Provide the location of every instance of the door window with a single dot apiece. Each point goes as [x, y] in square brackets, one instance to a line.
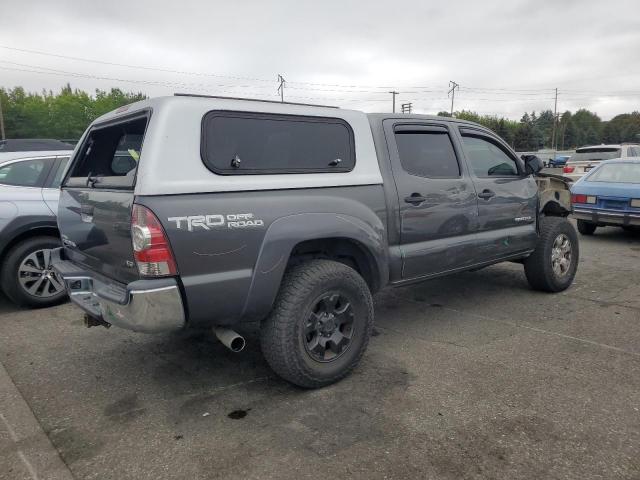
[27, 173]
[57, 179]
[427, 153]
[487, 159]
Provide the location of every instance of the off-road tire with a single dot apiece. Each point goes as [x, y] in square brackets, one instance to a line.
[9, 273]
[586, 228]
[281, 337]
[538, 266]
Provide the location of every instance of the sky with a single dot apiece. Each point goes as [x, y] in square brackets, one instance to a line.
[507, 56]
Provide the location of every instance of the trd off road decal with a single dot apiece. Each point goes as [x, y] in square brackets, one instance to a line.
[207, 222]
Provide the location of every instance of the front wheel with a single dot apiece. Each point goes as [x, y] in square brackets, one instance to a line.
[27, 277]
[553, 264]
[320, 324]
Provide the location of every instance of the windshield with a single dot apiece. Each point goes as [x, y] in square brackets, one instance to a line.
[595, 153]
[616, 173]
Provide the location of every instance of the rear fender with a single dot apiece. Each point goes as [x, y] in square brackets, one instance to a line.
[286, 232]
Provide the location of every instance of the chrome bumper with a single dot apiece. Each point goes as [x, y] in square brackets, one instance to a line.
[149, 306]
[606, 217]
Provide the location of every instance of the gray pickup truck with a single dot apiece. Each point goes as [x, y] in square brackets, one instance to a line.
[191, 211]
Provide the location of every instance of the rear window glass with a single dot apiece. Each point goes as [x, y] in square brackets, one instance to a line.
[617, 173]
[25, 173]
[587, 154]
[109, 156]
[236, 143]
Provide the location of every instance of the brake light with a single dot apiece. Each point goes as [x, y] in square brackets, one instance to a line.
[568, 169]
[151, 248]
[581, 198]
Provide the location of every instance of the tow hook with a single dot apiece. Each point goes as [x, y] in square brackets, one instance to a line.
[230, 339]
[90, 321]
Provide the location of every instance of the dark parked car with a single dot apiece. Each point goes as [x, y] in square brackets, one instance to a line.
[559, 161]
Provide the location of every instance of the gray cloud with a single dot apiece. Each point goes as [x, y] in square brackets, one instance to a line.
[588, 49]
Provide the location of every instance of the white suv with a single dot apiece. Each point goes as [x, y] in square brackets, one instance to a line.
[586, 158]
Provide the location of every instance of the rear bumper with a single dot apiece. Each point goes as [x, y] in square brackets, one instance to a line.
[606, 217]
[149, 306]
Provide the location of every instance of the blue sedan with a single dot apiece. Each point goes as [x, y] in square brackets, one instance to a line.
[609, 195]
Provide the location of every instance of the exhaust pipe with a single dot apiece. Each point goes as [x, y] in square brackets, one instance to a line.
[230, 339]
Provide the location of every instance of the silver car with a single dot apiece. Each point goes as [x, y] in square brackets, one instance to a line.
[587, 158]
[29, 190]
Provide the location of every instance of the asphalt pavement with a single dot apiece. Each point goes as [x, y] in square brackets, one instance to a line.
[470, 376]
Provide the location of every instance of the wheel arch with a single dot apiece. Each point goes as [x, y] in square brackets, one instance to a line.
[553, 208]
[24, 228]
[359, 243]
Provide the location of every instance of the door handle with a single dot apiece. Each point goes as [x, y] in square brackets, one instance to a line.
[486, 194]
[415, 199]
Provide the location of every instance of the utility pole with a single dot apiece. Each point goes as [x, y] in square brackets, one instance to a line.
[1, 121]
[554, 143]
[452, 91]
[394, 93]
[281, 87]
[406, 107]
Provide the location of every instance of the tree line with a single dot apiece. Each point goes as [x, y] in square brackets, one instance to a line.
[535, 131]
[63, 115]
[66, 114]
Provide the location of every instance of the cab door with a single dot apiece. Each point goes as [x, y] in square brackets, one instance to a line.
[506, 196]
[436, 197]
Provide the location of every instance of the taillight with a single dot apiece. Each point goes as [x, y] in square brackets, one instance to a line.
[581, 198]
[151, 247]
[568, 169]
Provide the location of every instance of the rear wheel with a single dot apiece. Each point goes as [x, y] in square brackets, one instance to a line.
[320, 325]
[553, 264]
[27, 277]
[586, 228]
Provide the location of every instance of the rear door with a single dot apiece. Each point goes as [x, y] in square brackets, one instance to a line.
[437, 206]
[94, 213]
[21, 184]
[506, 197]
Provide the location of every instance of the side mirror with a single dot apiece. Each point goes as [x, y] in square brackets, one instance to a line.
[532, 164]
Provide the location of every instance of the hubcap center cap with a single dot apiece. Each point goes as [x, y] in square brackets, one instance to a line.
[328, 324]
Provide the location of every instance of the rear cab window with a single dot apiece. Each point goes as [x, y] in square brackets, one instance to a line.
[109, 155]
[616, 173]
[242, 143]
